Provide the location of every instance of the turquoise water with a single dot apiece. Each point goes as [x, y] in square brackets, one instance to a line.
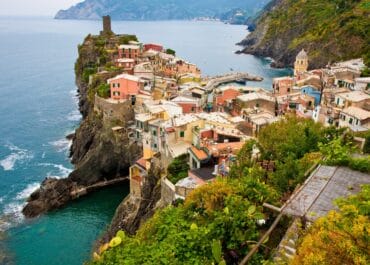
[38, 108]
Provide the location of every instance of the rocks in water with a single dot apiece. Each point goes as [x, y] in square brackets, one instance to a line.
[52, 194]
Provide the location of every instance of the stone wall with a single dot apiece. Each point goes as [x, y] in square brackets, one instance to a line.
[167, 191]
[121, 110]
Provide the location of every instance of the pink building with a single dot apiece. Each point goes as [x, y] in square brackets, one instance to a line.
[282, 85]
[124, 86]
[152, 46]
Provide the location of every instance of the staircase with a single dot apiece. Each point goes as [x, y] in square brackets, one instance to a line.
[287, 247]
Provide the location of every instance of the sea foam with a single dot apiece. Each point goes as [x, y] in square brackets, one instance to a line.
[63, 171]
[17, 155]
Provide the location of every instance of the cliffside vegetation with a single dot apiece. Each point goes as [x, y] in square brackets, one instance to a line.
[227, 214]
[330, 31]
[341, 237]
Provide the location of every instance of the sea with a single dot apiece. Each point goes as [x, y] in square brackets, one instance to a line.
[38, 108]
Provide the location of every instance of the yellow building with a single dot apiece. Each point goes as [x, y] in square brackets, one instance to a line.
[301, 63]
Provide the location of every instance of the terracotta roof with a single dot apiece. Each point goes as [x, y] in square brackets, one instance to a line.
[233, 147]
[200, 154]
[141, 162]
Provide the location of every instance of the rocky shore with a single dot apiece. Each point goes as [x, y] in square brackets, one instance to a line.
[98, 153]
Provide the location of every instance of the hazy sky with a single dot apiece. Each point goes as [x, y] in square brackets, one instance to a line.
[34, 7]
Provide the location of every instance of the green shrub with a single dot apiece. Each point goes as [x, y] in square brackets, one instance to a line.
[103, 90]
[360, 164]
[178, 169]
[170, 51]
[125, 39]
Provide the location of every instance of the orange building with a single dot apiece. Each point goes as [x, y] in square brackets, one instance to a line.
[124, 86]
[129, 51]
[224, 98]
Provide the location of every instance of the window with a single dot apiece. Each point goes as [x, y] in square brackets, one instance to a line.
[154, 132]
[350, 121]
[182, 134]
[192, 109]
[155, 145]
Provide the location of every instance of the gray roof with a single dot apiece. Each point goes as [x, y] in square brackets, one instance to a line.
[302, 55]
[315, 197]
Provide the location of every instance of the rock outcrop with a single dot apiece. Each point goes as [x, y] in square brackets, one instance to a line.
[329, 30]
[133, 211]
[98, 152]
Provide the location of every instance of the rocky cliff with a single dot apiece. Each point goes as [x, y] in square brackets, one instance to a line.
[156, 9]
[330, 31]
[98, 153]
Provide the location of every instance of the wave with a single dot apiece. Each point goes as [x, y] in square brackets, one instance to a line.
[12, 212]
[17, 155]
[24, 194]
[74, 116]
[63, 171]
[62, 145]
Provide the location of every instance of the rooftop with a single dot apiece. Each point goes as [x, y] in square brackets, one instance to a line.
[128, 46]
[204, 173]
[218, 117]
[125, 76]
[302, 55]
[181, 120]
[354, 96]
[200, 154]
[187, 182]
[315, 197]
[358, 113]
[183, 99]
[125, 60]
[255, 96]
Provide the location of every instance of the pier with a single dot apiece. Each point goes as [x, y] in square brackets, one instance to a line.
[228, 78]
[81, 191]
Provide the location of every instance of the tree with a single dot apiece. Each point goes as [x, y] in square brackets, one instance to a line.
[341, 237]
[290, 137]
[171, 52]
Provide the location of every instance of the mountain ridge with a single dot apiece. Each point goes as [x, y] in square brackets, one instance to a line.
[157, 9]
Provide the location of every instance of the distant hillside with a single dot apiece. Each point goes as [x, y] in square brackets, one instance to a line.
[157, 9]
[330, 30]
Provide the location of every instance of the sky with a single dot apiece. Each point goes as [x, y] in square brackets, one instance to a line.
[34, 7]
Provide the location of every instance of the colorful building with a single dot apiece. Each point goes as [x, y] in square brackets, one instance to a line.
[188, 104]
[152, 46]
[125, 86]
[129, 51]
[282, 85]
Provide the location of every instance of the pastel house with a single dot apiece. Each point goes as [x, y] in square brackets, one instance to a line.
[124, 86]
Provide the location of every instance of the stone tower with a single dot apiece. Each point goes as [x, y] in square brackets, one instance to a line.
[301, 63]
[107, 27]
